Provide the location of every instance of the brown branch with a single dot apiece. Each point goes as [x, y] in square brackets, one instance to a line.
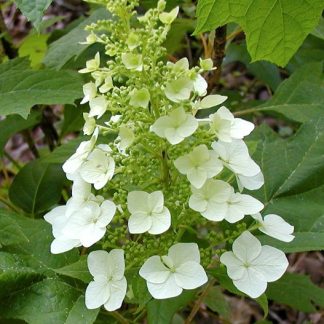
[5, 45]
[218, 56]
[199, 301]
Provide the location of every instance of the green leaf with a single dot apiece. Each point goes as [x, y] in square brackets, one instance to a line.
[15, 274]
[303, 241]
[294, 182]
[68, 47]
[301, 96]
[21, 88]
[14, 124]
[73, 119]
[179, 28]
[37, 186]
[63, 152]
[296, 291]
[274, 29]
[36, 252]
[162, 311]
[10, 231]
[34, 46]
[263, 302]
[33, 9]
[78, 270]
[48, 301]
[80, 314]
[216, 301]
[319, 30]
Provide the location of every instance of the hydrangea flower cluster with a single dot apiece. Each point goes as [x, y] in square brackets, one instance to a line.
[154, 170]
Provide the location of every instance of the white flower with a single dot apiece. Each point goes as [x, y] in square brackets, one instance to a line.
[235, 156]
[81, 154]
[227, 128]
[148, 213]
[88, 223]
[168, 275]
[58, 217]
[176, 126]
[108, 84]
[206, 64]
[126, 137]
[200, 85]
[89, 91]
[179, 90]
[216, 201]
[168, 17]
[133, 41]
[251, 183]
[99, 167]
[251, 266]
[98, 106]
[89, 124]
[92, 65]
[109, 284]
[132, 61]
[140, 98]
[210, 101]
[275, 226]
[181, 65]
[199, 165]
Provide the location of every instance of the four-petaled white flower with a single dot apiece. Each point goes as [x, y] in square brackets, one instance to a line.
[199, 165]
[140, 98]
[275, 226]
[58, 217]
[251, 266]
[148, 213]
[168, 275]
[98, 106]
[109, 284]
[216, 201]
[235, 156]
[179, 90]
[132, 61]
[227, 128]
[89, 91]
[99, 167]
[92, 65]
[75, 161]
[125, 138]
[206, 64]
[108, 84]
[176, 126]
[88, 223]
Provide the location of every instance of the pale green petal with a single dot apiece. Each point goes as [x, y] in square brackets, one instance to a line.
[153, 270]
[246, 247]
[97, 293]
[190, 275]
[184, 252]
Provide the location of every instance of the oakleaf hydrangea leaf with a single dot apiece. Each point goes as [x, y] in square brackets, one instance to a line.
[33, 10]
[274, 29]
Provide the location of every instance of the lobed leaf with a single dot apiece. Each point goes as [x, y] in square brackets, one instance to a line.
[21, 87]
[274, 29]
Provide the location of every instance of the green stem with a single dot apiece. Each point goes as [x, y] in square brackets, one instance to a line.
[119, 317]
[12, 160]
[246, 111]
